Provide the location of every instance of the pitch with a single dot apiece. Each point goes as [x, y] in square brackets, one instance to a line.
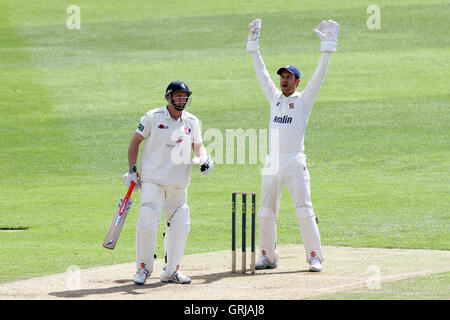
[377, 139]
[363, 270]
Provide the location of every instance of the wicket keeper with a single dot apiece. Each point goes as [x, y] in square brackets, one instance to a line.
[289, 113]
[164, 179]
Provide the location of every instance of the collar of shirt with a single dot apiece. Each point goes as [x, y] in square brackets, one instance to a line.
[168, 116]
[295, 95]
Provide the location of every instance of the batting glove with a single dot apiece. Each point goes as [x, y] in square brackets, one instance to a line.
[132, 175]
[254, 29]
[328, 31]
[206, 165]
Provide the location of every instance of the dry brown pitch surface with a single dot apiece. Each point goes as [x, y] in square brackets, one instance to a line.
[345, 268]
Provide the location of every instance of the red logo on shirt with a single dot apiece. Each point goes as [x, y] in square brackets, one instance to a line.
[161, 126]
[179, 140]
[278, 104]
[291, 105]
[187, 130]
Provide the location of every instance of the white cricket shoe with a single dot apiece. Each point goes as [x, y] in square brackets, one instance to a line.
[140, 276]
[175, 277]
[263, 262]
[315, 265]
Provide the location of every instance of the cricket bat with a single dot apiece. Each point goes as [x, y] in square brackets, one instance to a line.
[119, 219]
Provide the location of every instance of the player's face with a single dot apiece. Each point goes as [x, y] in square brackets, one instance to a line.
[288, 83]
[180, 98]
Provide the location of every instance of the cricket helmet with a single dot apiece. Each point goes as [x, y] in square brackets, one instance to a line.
[178, 86]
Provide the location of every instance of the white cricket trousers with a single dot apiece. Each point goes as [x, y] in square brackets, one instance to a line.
[155, 198]
[293, 172]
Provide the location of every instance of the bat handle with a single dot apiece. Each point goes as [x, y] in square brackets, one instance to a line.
[130, 189]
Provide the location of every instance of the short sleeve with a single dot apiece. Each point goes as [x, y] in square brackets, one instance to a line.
[144, 126]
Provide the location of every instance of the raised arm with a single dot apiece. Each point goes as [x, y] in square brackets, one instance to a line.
[327, 31]
[267, 85]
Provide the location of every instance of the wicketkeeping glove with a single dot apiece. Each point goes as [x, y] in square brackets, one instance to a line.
[206, 165]
[328, 31]
[254, 29]
[132, 175]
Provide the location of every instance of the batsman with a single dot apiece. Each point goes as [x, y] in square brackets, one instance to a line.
[170, 133]
[289, 114]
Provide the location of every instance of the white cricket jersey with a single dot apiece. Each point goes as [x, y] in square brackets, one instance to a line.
[289, 115]
[165, 139]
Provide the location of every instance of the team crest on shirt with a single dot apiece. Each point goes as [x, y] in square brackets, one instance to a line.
[278, 103]
[291, 105]
[162, 126]
[187, 130]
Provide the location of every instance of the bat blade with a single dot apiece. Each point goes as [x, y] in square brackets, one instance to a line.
[119, 220]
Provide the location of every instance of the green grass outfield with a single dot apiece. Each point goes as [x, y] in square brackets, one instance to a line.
[377, 140]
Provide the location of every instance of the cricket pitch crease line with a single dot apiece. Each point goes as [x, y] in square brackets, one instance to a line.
[83, 271]
[275, 288]
[381, 279]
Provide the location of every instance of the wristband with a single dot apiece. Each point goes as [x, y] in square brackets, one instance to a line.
[328, 45]
[252, 45]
